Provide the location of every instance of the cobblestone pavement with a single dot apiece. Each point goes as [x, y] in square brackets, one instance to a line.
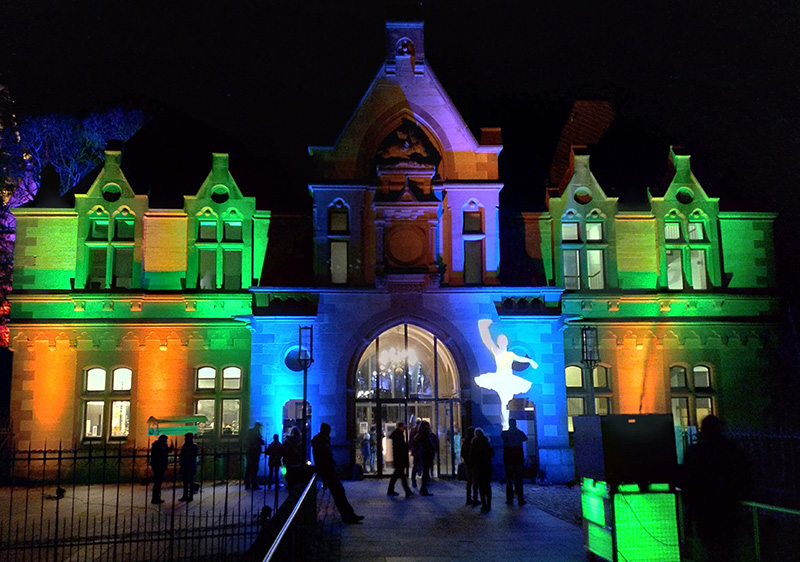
[548, 525]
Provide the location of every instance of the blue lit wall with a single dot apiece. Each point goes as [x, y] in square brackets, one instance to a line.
[347, 321]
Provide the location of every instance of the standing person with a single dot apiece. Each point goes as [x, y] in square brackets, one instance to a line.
[293, 458]
[482, 452]
[159, 460]
[714, 484]
[326, 468]
[416, 464]
[187, 460]
[426, 452]
[253, 443]
[472, 483]
[365, 452]
[400, 456]
[514, 461]
[275, 453]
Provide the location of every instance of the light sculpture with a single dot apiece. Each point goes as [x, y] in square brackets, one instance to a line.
[503, 380]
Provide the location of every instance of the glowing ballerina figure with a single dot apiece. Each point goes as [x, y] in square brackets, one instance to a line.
[503, 381]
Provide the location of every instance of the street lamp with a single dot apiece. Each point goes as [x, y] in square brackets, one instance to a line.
[305, 356]
[590, 357]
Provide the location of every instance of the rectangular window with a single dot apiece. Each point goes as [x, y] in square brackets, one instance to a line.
[696, 231]
[207, 231]
[123, 267]
[575, 407]
[98, 229]
[594, 231]
[473, 223]
[232, 231]
[207, 270]
[473, 262]
[602, 406]
[338, 221]
[120, 418]
[680, 411]
[675, 269]
[672, 231]
[97, 268]
[704, 406]
[230, 416]
[569, 232]
[124, 229]
[572, 270]
[232, 270]
[93, 420]
[339, 263]
[594, 269]
[699, 275]
[206, 407]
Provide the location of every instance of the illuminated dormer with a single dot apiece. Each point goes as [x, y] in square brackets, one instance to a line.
[688, 231]
[224, 232]
[584, 229]
[109, 250]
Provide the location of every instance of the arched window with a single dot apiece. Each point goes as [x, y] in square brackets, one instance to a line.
[219, 399]
[106, 403]
[406, 373]
[692, 398]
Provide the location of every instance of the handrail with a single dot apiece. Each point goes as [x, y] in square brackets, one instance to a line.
[274, 548]
[755, 506]
[768, 507]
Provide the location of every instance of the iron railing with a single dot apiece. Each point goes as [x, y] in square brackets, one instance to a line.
[94, 502]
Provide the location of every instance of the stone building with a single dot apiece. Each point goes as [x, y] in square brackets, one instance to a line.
[121, 312]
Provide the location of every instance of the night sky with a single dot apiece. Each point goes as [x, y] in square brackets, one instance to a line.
[272, 77]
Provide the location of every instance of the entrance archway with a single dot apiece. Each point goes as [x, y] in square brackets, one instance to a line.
[404, 374]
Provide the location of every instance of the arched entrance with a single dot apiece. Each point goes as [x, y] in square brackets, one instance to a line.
[407, 373]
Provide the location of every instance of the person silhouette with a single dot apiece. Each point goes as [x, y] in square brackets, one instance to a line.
[503, 381]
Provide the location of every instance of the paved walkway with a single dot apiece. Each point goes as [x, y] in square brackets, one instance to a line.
[442, 528]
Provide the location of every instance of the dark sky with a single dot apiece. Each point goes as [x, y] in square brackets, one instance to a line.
[721, 78]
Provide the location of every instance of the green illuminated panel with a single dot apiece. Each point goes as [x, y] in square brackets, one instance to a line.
[593, 509]
[598, 540]
[595, 487]
[646, 527]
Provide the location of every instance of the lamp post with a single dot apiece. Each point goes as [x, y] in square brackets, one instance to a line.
[590, 357]
[305, 356]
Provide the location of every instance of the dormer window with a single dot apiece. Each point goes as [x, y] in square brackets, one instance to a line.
[569, 232]
[98, 228]
[338, 219]
[232, 231]
[124, 228]
[696, 231]
[672, 231]
[472, 222]
[594, 231]
[207, 230]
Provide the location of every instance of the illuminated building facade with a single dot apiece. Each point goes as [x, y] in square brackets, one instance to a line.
[122, 312]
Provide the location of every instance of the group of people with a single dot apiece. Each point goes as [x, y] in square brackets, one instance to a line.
[187, 466]
[477, 453]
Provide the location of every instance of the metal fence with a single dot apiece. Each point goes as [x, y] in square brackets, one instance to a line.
[774, 465]
[94, 503]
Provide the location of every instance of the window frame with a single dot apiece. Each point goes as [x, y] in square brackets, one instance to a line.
[106, 398]
[691, 393]
[219, 395]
